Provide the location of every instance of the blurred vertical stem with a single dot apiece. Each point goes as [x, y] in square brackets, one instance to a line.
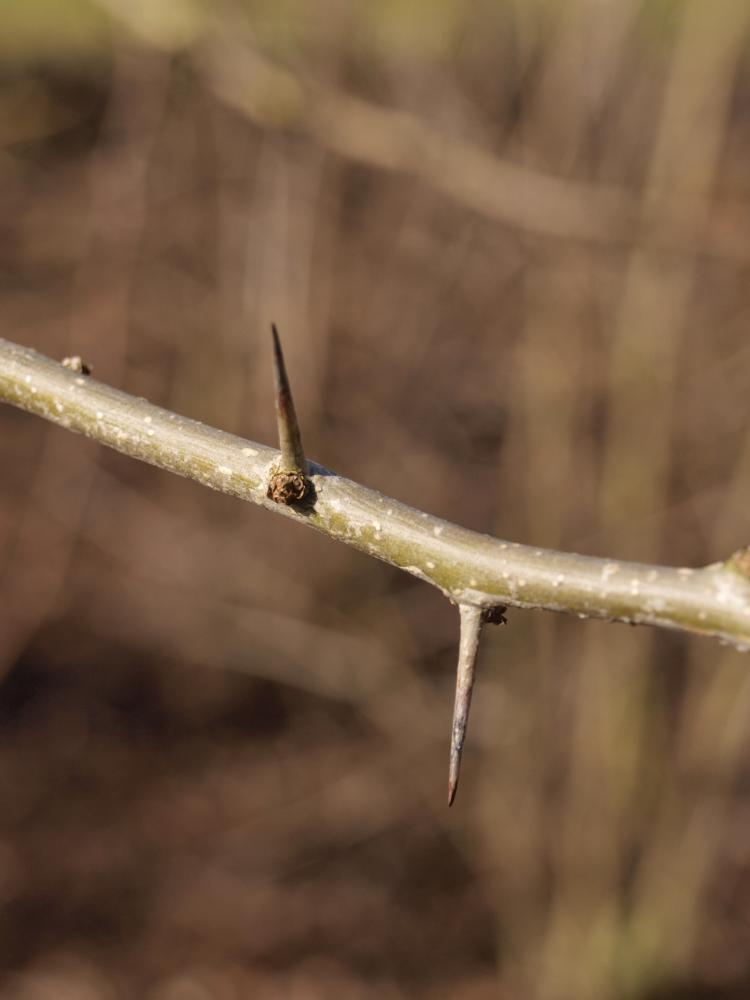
[615, 716]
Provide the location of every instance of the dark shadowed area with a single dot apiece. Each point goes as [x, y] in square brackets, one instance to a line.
[507, 247]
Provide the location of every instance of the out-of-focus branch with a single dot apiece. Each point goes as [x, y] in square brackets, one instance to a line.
[468, 567]
[396, 140]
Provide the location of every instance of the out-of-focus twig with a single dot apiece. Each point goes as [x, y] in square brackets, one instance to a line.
[391, 139]
[646, 350]
[32, 582]
[468, 567]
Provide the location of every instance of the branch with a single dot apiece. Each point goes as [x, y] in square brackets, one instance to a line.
[469, 568]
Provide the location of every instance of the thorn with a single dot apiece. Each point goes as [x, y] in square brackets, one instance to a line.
[289, 483]
[472, 619]
[290, 442]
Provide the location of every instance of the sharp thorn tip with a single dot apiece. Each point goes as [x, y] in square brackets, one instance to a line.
[471, 627]
[292, 454]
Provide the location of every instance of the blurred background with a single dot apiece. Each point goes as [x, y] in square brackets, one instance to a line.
[507, 244]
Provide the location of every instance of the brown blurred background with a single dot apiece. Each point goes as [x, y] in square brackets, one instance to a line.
[507, 243]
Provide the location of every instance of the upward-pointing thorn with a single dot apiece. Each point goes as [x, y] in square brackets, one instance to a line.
[289, 483]
[472, 619]
[290, 442]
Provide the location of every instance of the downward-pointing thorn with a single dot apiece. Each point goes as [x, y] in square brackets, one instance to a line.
[289, 482]
[472, 619]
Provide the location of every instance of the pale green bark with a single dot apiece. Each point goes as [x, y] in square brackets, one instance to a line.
[468, 567]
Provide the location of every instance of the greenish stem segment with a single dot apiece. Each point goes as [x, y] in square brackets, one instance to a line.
[470, 568]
